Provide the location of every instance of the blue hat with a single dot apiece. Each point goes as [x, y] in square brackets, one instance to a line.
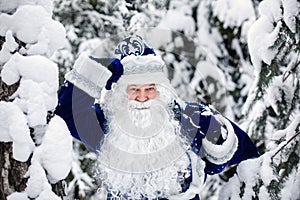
[139, 63]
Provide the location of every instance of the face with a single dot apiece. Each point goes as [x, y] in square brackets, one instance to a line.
[141, 93]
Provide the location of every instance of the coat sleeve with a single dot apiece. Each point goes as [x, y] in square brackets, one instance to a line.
[246, 149]
[85, 120]
[219, 141]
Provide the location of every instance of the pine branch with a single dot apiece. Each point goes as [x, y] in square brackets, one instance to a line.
[281, 148]
[289, 72]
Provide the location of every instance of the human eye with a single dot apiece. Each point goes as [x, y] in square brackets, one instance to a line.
[150, 89]
[131, 89]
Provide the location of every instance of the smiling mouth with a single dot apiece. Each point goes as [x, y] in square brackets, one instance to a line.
[144, 108]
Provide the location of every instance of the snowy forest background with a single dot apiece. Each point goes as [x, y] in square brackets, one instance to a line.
[241, 56]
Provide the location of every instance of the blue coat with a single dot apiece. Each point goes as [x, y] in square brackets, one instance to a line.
[87, 123]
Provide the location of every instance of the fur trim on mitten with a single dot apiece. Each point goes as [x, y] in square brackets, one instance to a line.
[220, 154]
[88, 75]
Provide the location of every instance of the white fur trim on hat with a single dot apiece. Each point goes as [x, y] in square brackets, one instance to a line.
[143, 70]
[145, 78]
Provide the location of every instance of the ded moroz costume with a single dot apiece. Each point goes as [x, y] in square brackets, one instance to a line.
[159, 149]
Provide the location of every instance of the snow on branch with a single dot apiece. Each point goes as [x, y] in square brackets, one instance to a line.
[31, 38]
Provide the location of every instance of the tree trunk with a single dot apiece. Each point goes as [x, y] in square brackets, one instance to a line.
[12, 172]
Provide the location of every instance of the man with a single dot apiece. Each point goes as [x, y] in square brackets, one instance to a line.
[150, 144]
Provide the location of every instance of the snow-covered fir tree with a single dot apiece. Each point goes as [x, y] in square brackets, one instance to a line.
[31, 141]
[272, 108]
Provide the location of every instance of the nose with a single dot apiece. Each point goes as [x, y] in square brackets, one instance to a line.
[142, 96]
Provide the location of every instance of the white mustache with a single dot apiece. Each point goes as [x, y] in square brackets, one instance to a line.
[140, 105]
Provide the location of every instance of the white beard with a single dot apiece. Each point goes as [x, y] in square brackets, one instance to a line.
[143, 154]
[140, 114]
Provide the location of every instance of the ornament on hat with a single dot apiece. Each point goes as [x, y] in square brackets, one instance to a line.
[133, 45]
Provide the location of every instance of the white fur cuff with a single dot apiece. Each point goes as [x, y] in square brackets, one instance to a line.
[88, 75]
[220, 154]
